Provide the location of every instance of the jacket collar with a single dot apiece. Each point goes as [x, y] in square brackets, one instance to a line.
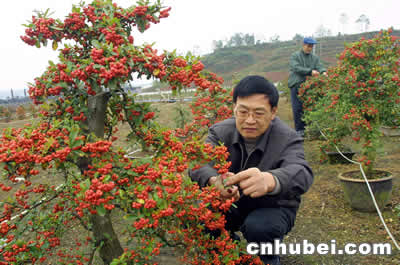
[261, 143]
[305, 54]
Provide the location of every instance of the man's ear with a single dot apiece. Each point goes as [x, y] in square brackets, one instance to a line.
[274, 111]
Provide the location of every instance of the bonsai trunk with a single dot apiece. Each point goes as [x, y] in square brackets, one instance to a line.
[104, 234]
[102, 228]
[370, 152]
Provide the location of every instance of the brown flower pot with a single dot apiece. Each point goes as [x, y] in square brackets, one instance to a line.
[390, 131]
[357, 195]
[337, 158]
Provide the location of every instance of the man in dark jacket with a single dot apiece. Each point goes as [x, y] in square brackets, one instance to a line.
[302, 64]
[268, 172]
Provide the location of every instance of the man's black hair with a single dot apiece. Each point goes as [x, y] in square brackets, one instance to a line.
[255, 84]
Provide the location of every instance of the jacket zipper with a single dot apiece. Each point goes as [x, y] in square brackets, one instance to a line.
[242, 167]
[247, 159]
[241, 160]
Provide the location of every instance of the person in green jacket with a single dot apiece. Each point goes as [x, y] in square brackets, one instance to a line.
[302, 63]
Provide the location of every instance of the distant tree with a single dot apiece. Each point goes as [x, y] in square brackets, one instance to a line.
[32, 109]
[274, 38]
[322, 31]
[249, 39]
[236, 40]
[260, 38]
[343, 19]
[196, 50]
[298, 38]
[217, 44]
[284, 89]
[363, 22]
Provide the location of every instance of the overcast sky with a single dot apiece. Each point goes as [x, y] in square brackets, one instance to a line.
[192, 26]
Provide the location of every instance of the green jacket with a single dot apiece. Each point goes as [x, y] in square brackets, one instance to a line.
[301, 65]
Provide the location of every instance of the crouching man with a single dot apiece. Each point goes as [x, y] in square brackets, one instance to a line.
[269, 172]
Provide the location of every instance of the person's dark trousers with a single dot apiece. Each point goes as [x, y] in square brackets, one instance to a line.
[261, 225]
[297, 107]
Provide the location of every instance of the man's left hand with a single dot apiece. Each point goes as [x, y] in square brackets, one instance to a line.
[253, 182]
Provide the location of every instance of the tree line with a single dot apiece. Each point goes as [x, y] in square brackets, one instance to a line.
[246, 39]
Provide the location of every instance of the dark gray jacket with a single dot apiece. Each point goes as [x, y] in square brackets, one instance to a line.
[301, 66]
[278, 151]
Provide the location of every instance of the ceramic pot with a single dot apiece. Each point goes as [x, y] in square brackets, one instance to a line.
[357, 195]
[390, 131]
[337, 158]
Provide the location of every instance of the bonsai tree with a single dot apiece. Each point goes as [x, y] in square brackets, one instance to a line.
[359, 95]
[20, 112]
[65, 175]
[5, 114]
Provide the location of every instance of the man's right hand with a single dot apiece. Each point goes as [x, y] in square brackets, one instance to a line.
[314, 73]
[228, 192]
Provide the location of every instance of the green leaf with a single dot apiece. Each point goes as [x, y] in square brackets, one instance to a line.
[81, 85]
[85, 184]
[131, 217]
[63, 85]
[55, 45]
[56, 28]
[164, 204]
[73, 135]
[48, 144]
[76, 143]
[45, 106]
[121, 193]
[106, 179]
[76, 9]
[101, 210]
[96, 44]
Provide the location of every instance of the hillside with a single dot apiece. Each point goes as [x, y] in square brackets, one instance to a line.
[272, 59]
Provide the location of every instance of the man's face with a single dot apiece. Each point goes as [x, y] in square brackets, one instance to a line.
[253, 115]
[307, 48]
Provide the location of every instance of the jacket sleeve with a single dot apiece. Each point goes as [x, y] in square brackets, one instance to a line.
[320, 67]
[293, 172]
[203, 174]
[296, 66]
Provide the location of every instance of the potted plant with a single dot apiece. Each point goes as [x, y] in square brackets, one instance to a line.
[314, 93]
[330, 153]
[390, 130]
[358, 96]
[391, 126]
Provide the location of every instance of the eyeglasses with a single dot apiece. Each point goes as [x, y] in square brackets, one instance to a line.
[244, 114]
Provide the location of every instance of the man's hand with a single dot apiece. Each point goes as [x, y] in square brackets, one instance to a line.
[314, 73]
[325, 74]
[227, 191]
[253, 182]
